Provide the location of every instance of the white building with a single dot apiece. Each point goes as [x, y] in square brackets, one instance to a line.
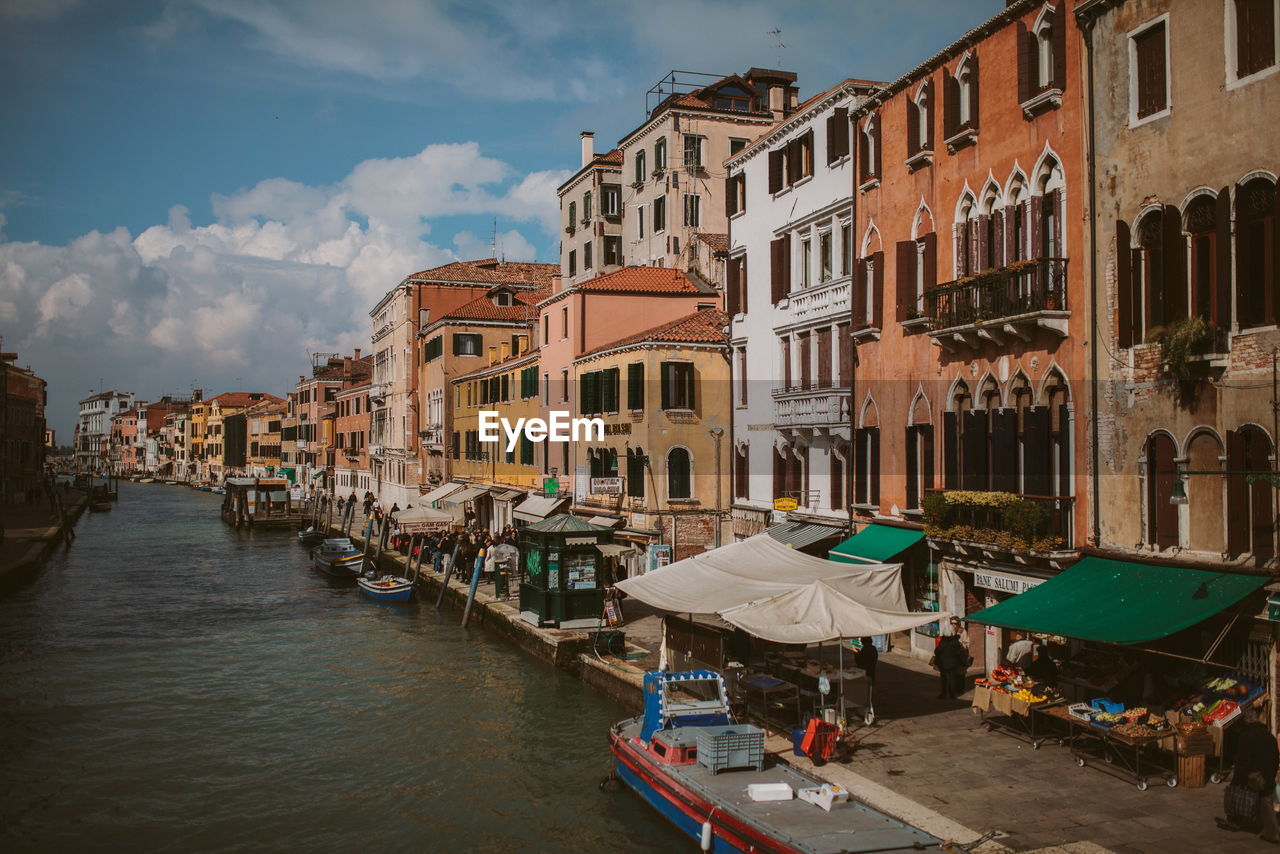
[93, 430]
[790, 296]
[393, 421]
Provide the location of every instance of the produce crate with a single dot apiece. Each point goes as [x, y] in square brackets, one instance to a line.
[1081, 711]
[740, 746]
[1191, 771]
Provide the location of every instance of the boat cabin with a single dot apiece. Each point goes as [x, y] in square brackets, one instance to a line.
[692, 698]
[257, 500]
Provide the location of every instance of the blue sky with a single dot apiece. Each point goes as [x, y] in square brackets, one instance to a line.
[201, 191]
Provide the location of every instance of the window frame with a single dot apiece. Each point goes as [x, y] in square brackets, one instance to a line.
[1231, 46]
[1131, 38]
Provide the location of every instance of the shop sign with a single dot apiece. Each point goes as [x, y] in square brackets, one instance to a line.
[623, 429]
[659, 556]
[785, 505]
[606, 485]
[1004, 583]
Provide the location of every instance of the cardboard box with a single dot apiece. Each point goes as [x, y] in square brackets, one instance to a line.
[825, 795]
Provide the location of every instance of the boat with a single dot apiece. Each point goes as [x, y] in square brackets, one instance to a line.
[147, 480]
[170, 483]
[687, 758]
[338, 557]
[387, 588]
[217, 490]
[310, 535]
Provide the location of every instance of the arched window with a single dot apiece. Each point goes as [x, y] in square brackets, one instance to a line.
[917, 267]
[1017, 200]
[958, 406]
[1207, 225]
[964, 88]
[1044, 53]
[1257, 275]
[966, 236]
[870, 156]
[1148, 273]
[920, 120]
[679, 480]
[1020, 397]
[990, 254]
[1057, 398]
[1251, 517]
[1046, 208]
[635, 472]
[1204, 494]
[839, 455]
[919, 453]
[1161, 472]
[868, 287]
[867, 452]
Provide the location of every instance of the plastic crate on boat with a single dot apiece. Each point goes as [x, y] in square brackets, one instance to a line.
[739, 746]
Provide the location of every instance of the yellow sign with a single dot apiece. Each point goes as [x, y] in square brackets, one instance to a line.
[785, 505]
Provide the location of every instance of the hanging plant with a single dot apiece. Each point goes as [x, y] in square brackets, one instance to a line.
[1179, 342]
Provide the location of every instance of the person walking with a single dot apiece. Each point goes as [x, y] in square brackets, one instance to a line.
[867, 658]
[952, 660]
[1254, 779]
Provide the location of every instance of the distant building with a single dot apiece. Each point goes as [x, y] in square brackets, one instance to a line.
[23, 436]
[93, 430]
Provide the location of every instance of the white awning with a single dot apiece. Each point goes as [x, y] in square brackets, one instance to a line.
[506, 494]
[823, 610]
[440, 492]
[606, 521]
[422, 520]
[614, 549]
[757, 568]
[471, 493]
[535, 508]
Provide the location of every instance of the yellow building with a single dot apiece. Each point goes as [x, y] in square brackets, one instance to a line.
[263, 453]
[663, 466]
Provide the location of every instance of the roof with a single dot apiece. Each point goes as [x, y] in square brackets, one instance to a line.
[701, 327]
[483, 308]
[611, 160]
[717, 242]
[499, 366]
[490, 271]
[651, 280]
[564, 523]
[797, 116]
[235, 399]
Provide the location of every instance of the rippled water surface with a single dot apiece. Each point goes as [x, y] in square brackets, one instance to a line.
[170, 684]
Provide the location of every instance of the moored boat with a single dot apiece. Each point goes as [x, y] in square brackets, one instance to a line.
[388, 588]
[310, 535]
[338, 557]
[711, 778]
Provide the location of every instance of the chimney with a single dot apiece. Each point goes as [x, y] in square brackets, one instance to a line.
[777, 101]
[504, 351]
[588, 146]
[356, 357]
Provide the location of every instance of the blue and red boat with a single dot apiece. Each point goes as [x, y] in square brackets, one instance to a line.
[339, 558]
[710, 797]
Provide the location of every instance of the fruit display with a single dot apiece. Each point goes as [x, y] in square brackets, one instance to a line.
[1218, 699]
[1134, 730]
[1107, 719]
[1029, 696]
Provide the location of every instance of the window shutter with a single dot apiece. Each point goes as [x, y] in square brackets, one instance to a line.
[667, 369]
[733, 284]
[584, 403]
[842, 132]
[930, 260]
[1222, 249]
[1037, 225]
[1035, 454]
[925, 432]
[862, 441]
[875, 465]
[905, 270]
[775, 170]
[777, 269]
[742, 284]
[1058, 37]
[832, 154]
[950, 104]
[860, 295]
[877, 293]
[635, 385]
[845, 344]
[730, 197]
[793, 161]
[997, 241]
[983, 220]
[1010, 216]
[930, 110]
[876, 152]
[1065, 486]
[913, 470]
[950, 451]
[1174, 258]
[974, 440]
[824, 357]
[1162, 472]
[1024, 63]
[1004, 450]
[913, 126]
[973, 92]
[1124, 287]
[691, 387]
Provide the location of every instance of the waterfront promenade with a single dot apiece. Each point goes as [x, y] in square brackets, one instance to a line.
[31, 533]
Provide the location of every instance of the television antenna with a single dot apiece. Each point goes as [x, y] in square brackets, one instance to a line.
[776, 32]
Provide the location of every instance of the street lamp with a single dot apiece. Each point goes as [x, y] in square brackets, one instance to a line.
[1179, 494]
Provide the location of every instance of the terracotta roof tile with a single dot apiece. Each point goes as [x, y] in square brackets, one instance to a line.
[483, 308]
[657, 280]
[702, 327]
[610, 158]
[490, 272]
[717, 242]
[237, 399]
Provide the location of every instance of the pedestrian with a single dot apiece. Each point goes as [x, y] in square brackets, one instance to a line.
[1253, 782]
[1020, 652]
[1043, 668]
[952, 660]
[867, 658]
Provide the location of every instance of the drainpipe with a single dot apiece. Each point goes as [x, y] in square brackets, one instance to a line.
[854, 160]
[1086, 25]
[716, 434]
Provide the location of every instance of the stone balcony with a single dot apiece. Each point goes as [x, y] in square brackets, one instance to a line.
[830, 299]
[996, 306]
[810, 407]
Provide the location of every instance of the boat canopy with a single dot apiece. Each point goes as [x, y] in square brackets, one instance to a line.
[758, 568]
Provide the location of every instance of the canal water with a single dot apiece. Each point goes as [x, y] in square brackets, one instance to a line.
[170, 684]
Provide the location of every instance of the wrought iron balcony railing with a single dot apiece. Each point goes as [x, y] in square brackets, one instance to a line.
[1013, 300]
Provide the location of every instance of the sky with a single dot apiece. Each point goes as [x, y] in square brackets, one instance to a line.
[200, 193]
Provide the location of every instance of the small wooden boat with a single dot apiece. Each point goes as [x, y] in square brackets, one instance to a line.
[99, 505]
[170, 483]
[217, 490]
[147, 480]
[339, 558]
[388, 588]
[712, 779]
[310, 535]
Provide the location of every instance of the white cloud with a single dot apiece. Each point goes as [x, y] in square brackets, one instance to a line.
[285, 268]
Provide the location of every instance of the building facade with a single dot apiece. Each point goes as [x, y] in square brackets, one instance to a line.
[23, 396]
[93, 429]
[591, 213]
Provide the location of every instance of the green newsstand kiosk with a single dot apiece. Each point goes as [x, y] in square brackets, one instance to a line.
[562, 567]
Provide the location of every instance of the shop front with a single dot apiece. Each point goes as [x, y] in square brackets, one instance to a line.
[881, 543]
[564, 572]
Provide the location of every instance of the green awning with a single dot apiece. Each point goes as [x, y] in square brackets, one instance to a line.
[876, 543]
[287, 472]
[1115, 601]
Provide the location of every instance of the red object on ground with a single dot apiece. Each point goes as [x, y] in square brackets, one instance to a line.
[819, 740]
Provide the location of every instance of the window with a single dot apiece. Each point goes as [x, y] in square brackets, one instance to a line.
[919, 463]
[920, 120]
[736, 285]
[736, 145]
[1255, 36]
[733, 98]
[824, 256]
[964, 81]
[806, 263]
[586, 255]
[546, 388]
[659, 214]
[635, 386]
[613, 251]
[869, 163]
[610, 200]
[693, 151]
[837, 134]
[526, 451]
[692, 210]
[640, 220]
[780, 268]
[1257, 279]
[1210, 270]
[573, 262]
[660, 154]
[741, 472]
[564, 323]
[573, 217]
[635, 472]
[735, 194]
[1250, 514]
[502, 298]
[433, 349]
[742, 376]
[678, 474]
[546, 329]
[466, 344]
[677, 385]
[1149, 78]
[960, 103]
[846, 249]
[598, 391]
[641, 172]
[586, 207]
[564, 387]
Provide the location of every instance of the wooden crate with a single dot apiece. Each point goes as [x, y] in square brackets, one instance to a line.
[1191, 771]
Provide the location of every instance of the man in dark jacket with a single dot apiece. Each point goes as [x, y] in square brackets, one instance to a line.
[1257, 761]
[952, 660]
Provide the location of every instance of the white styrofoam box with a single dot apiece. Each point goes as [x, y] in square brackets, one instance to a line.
[769, 792]
[824, 795]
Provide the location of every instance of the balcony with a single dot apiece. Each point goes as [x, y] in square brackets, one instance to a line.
[1000, 521]
[829, 299]
[810, 407]
[379, 391]
[998, 305]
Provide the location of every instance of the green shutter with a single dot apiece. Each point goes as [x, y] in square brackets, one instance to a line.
[584, 403]
[691, 380]
[668, 369]
[635, 385]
